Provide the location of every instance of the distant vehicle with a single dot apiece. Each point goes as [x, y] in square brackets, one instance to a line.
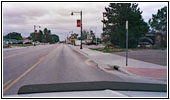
[5, 44]
[20, 42]
[77, 42]
[145, 44]
[83, 42]
[62, 42]
[28, 43]
[90, 42]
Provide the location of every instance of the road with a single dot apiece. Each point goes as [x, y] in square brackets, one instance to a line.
[152, 56]
[56, 63]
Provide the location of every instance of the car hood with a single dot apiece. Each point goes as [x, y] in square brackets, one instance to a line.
[94, 89]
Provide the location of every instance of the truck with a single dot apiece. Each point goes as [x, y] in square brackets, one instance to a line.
[77, 42]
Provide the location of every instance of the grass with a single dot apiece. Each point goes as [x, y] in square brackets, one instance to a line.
[113, 50]
[108, 50]
[21, 45]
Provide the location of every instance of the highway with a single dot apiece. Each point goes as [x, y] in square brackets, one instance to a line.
[46, 64]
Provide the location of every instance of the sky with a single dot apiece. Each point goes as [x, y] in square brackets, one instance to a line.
[56, 16]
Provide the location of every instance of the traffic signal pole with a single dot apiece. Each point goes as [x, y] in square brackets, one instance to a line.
[34, 33]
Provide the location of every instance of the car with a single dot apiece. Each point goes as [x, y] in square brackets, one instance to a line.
[145, 44]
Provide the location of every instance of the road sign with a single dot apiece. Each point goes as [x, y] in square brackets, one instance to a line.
[126, 24]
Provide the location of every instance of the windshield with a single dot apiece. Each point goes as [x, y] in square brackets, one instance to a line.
[84, 42]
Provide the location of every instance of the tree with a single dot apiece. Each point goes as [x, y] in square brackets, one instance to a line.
[74, 36]
[92, 35]
[40, 36]
[14, 35]
[84, 34]
[44, 36]
[158, 22]
[32, 36]
[117, 14]
[53, 38]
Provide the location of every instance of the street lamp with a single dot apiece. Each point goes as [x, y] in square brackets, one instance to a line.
[81, 26]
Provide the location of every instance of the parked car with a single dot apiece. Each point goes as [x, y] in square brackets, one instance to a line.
[145, 44]
[20, 42]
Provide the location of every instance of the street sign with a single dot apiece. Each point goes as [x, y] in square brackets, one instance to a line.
[126, 25]
[78, 23]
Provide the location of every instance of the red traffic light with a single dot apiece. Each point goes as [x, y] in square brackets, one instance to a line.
[36, 32]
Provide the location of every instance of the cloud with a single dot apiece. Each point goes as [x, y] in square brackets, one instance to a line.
[150, 8]
[56, 16]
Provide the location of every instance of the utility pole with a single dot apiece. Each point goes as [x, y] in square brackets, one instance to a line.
[126, 43]
[34, 33]
[96, 34]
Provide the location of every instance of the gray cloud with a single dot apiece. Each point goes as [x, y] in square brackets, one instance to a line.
[151, 8]
[57, 17]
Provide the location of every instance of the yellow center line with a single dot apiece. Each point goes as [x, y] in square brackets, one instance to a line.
[28, 70]
[6, 83]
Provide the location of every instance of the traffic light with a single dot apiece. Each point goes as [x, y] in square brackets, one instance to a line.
[36, 32]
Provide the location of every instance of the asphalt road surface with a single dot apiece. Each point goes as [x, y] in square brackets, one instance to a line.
[153, 56]
[47, 64]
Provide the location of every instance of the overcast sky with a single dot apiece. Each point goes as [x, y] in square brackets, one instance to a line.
[21, 17]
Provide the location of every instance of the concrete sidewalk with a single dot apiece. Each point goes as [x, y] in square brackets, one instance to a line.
[135, 67]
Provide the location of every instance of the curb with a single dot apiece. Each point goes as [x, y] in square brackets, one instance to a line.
[118, 68]
[100, 66]
[83, 53]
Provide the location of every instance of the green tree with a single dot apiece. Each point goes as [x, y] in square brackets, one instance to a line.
[33, 37]
[84, 34]
[40, 36]
[14, 35]
[53, 38]
[74, 36]
[158, 22]
[92, 35]
[116, 16]
[44, 36]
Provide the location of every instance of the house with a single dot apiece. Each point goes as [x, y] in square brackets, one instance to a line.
[154, 38]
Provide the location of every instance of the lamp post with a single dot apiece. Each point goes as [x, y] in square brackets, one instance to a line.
[80, 26]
